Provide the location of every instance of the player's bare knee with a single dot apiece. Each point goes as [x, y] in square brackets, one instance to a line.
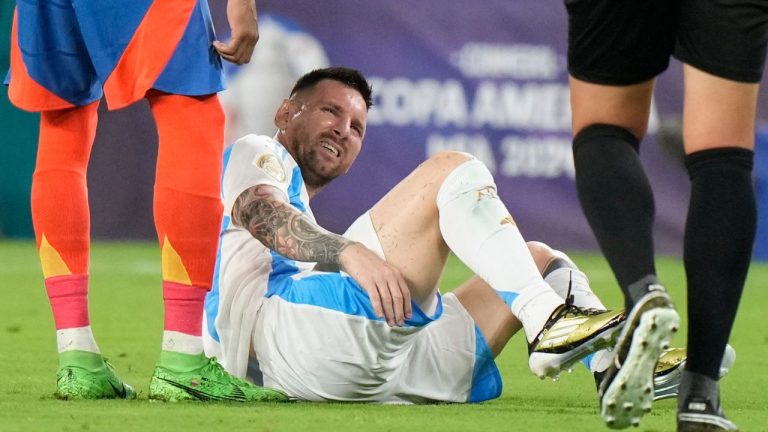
[538, 248]
[446, 161]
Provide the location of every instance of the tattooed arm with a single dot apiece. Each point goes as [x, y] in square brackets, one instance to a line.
[265, 213]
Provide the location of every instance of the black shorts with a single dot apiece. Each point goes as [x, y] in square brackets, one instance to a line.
[623, 42]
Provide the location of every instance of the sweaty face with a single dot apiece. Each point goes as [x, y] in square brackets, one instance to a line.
[324, 130]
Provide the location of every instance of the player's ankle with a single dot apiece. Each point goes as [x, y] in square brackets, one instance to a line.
[83, 359]
[181, 362]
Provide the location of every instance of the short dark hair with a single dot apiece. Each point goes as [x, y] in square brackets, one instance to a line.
[347, 76]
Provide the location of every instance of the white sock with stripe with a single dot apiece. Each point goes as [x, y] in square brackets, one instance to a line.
[182, 343]
[76, 339]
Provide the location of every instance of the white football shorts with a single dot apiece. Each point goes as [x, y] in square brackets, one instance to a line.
[318, 339]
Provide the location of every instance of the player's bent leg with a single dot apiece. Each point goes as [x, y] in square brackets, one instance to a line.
[406, 223]
[481, 232]
[413, 224]
[451, 200]
[495, 320]
[491, 315]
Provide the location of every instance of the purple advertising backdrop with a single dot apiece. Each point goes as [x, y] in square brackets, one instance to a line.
[488, 80]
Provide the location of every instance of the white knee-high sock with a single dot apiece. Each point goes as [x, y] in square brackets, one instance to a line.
[560, 279]
[583, 296]
[479, 229]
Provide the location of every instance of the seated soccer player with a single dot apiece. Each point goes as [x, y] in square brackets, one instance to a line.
[322, 316]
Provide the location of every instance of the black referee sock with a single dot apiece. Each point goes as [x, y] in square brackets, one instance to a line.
[617, 201]
[719, 235]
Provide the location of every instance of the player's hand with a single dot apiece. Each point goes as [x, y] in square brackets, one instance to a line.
[390, 296]
[241, 15]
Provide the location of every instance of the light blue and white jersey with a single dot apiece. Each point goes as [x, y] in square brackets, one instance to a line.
[243, 264]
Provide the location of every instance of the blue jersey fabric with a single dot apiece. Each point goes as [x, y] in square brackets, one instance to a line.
[70, 47]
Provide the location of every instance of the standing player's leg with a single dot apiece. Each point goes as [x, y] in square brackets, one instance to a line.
[450, 202]
[723, 48]
[618, 202]
[615, 49]
[720, 229]
[614, 191]
[611, 85]
[61, 220]
[62, 227]
[54, 75]
[188, 213]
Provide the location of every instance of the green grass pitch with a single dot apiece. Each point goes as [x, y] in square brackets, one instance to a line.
[126, 316]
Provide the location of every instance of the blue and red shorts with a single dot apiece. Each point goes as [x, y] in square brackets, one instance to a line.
[67, 53]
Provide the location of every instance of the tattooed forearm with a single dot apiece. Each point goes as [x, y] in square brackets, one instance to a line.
[282, 228]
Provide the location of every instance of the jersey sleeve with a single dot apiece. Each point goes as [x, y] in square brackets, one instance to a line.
[254, 160]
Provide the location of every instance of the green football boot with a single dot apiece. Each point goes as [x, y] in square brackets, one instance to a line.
[84, 375]
[209, 382]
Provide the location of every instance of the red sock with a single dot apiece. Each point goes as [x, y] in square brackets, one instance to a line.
[69, 300]
[183, 308]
